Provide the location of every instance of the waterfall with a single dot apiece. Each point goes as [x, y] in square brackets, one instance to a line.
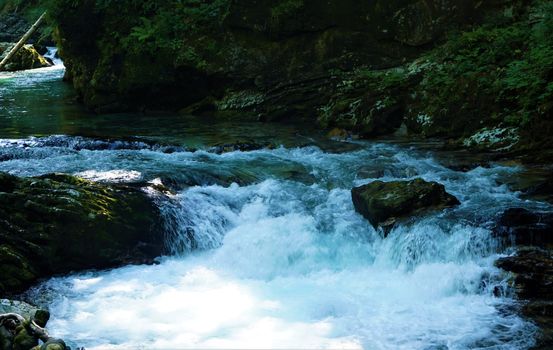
[52, 54]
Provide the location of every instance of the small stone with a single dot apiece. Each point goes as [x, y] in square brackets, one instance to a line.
[41, 317]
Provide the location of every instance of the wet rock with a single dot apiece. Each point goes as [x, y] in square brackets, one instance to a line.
[532, 270]
[243, 146]
[12, 27]
[58, 223]
[16, 330]
[519, 226]
[24, 309]
[26, 58]
[384, 203]
[370, 103]
[542, 189]
[338, 134]
[53, 344]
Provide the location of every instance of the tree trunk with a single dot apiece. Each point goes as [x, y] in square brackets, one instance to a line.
[22, 41]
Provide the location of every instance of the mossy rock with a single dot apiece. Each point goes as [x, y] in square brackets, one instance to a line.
[26, 58]
[22, 336]
[58, 223]
[384, 203]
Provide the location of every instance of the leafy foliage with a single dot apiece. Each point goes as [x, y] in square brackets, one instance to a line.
[494, 73]
[285, 8]
[148, 27]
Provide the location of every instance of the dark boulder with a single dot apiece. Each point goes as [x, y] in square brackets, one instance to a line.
[532, 270]
[240, 145]
[383, 203]
[542, 190]
[519, 226]
[57, 223]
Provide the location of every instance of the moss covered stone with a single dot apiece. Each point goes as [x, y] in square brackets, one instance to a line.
[383, 203]
[26, 58]
[58, 223]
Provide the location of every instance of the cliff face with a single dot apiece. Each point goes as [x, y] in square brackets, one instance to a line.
[125, 56]
[476, 72]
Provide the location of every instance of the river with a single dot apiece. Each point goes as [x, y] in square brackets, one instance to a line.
[267, 251]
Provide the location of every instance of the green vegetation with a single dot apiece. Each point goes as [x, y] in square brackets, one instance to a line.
[496, 74]
[150, 27]
[284, 9]
[493, 81]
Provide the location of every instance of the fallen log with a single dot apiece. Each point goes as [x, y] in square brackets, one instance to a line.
[22, 41]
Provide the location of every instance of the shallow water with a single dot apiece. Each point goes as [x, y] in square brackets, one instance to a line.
[266, 248]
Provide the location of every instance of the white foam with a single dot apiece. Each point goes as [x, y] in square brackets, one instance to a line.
[285, 264]
[117, 175]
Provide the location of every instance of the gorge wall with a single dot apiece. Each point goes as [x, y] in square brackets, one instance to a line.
[476, 72]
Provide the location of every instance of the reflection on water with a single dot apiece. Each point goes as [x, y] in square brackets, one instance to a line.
[38, 103]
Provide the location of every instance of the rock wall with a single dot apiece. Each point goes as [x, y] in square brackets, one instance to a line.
[284, 49]
[477, 73]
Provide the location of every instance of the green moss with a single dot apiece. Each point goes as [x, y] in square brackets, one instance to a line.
[56, 223]
[285, 8]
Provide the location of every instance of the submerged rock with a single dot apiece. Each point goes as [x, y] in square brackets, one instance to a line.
[58, 223]
[26, 58]
[240, 145]
[383, 203]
